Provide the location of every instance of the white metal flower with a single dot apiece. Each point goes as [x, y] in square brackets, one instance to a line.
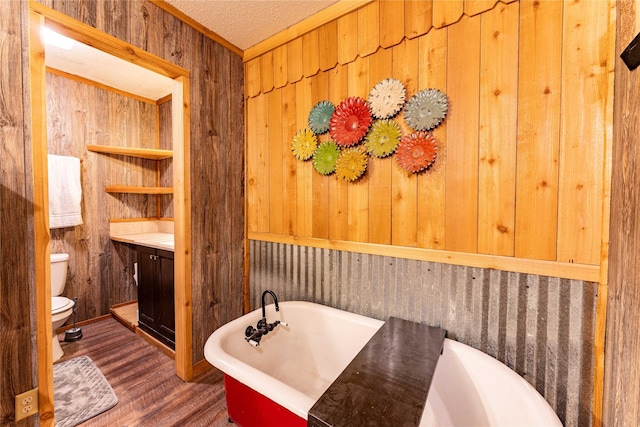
[426, 109]
[387, 98]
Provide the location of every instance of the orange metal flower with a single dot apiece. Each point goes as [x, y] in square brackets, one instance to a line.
[417, 151]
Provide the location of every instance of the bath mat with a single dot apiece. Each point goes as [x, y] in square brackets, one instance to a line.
[80, 391]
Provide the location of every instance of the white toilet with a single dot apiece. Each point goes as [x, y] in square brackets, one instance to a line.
[61, 307]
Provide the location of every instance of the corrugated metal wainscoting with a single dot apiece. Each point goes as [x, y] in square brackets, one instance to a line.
[542, 327]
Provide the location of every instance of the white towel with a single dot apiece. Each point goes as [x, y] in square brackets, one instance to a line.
[65, 192]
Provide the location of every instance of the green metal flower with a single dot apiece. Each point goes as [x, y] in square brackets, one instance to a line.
[325, 156]
[351, 164]
[304, 144]
[320, 116]
[383, 138]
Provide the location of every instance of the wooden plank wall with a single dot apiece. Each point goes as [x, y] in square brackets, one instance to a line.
[18, 361]
[622, 371]
[217, 149]
[520, 168]
[79, 114]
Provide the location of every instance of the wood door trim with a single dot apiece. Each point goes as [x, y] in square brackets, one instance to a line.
[41, 220]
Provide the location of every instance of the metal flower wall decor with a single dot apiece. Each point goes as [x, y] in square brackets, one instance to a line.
[359, 129]
[387, 98]
[325, 157]
[304, 144]
[383, 138]
[320, 116]
[417, 151]
[350, 122]
[426, 109]
[351, 164]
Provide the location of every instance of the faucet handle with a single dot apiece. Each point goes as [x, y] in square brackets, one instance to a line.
[253, 338]
[262, 324]
[273, 325]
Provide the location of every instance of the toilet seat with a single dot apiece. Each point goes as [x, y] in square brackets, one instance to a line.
[60, 304]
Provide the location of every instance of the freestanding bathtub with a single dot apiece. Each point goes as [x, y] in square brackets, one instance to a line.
[277, 382]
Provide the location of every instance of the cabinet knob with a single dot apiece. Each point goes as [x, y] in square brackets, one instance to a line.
[153, 257]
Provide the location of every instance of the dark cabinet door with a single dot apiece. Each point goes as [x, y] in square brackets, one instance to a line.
[156, 312]
[165, 301]
[147, 273]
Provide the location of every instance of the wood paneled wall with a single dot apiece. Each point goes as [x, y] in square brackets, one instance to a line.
[622, 372]
[521, 168]
[18, 362]
[79, 114]
[217, 149]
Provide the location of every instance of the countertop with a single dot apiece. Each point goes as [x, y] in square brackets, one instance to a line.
[387, 382]
[157, 240]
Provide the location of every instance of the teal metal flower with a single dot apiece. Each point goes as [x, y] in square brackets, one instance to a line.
[383, 138]
[320, 116]
[426, 109]
[325, 156]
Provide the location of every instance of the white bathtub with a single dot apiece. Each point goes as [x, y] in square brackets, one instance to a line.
[295, 364]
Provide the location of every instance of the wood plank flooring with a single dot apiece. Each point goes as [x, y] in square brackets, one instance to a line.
[149, 393]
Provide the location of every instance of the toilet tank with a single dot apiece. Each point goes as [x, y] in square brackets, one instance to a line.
[58, 273]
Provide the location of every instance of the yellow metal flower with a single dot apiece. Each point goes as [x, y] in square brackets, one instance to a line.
[304, 144]
[351, 164]
[383, 138]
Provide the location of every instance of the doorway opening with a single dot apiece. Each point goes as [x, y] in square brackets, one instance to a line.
[39, 17]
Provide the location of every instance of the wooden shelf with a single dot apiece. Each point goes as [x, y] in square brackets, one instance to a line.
[143, 153]
[138, 190]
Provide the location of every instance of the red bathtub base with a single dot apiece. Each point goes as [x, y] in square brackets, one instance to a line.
[248, 408]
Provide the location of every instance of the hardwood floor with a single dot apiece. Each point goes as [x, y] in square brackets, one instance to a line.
[149, 393]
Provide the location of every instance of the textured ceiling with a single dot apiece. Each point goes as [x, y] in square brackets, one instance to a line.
[245, 23]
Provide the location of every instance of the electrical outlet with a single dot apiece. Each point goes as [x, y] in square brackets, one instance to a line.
[26, 404]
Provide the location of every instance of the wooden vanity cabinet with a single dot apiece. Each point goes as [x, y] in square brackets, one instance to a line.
[156, 311]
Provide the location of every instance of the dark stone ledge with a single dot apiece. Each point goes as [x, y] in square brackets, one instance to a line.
[387, 382]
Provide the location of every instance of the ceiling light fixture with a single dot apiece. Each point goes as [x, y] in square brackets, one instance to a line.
[56, 39]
